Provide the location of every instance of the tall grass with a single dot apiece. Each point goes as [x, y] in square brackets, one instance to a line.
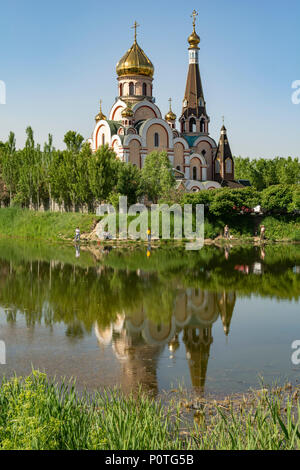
[23, 223]
[37, 413]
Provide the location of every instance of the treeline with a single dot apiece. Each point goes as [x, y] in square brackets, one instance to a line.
[75, 178]
[278, 199]
[78, 179]
[263, 172]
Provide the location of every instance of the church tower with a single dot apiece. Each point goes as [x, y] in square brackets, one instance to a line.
[223, 163]
[194, 119]
[135, 74]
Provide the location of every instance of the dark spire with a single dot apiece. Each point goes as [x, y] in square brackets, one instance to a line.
[194, 118]
[224, 164]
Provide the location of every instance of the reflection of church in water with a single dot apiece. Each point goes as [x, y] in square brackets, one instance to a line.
[138, 342]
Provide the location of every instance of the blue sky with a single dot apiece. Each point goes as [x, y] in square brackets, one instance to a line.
[58, 59]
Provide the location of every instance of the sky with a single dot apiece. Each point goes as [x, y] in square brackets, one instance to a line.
[58, 59]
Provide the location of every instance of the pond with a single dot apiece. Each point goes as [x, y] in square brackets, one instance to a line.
[214, 320]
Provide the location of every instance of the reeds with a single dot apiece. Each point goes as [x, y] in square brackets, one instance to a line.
[40, 414]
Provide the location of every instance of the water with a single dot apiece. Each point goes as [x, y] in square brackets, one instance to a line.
[214, 320]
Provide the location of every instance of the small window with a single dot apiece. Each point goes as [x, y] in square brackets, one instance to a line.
[192, 125]
[202, 125]
[228, 165]
[203, 153]
[121, 89]
[144, 89]
[131, 88]
[156, 140]
[194, 173]
[178, 168]
[217, 166]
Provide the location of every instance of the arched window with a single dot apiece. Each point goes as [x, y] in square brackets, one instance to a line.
[121, 89]
[192, 125]
[203, 153]
[144, 89]
[217, 166]
[228, 165]
[103, 139]
[195, 173]
[131, 89]
[156, 140]
[178, 168]
[202, 125]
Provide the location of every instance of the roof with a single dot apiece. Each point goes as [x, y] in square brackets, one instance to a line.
[194, 95]
[232, 184]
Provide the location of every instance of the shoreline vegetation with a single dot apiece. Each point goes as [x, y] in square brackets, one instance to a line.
[38, 413]
[60, 227]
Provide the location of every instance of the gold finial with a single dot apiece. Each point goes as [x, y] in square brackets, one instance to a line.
[135, 26]
[170, 116]
[194, 16]
[100, 116]
[194, 39]
[223, 119]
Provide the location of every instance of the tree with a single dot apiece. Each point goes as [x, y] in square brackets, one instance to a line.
[8, 164]
[73, 141]
[103, 172]
[230, 202]
[157, 175]
[129, 182]
[265, 172]
[277, 198]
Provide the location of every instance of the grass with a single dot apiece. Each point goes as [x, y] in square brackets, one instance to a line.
[57, 226]
[39, 414]
[52, 226]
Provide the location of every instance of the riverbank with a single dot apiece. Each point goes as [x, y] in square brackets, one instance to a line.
[56, 226]
[39, 414]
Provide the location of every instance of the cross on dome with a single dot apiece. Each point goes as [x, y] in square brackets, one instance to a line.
[135, 26]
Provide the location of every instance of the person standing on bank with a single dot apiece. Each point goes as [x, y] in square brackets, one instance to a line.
[262, 232]
[77, 234]
[226, 231]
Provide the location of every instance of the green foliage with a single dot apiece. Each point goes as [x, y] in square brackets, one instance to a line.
[295, 204]
[40, 414]
[277, 198]
[266, 172]
[103, 173]
[224, 202]
[23, 223]
[73, 141]
[129, 182]
[157, 176]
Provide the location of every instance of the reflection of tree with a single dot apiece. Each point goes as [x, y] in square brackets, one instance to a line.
[174, 291]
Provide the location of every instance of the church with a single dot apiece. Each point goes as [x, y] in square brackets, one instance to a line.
[135, 126]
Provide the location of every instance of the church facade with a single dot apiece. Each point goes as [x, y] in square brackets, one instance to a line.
[135, 126]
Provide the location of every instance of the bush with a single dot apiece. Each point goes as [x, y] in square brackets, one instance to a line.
[277, 198]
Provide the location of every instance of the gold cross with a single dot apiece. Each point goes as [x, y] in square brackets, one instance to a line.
[135, 26]
[194, 16]
[100, 105]
[170, 101]
[223, 119]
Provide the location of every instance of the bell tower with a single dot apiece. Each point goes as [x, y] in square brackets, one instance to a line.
[194, 119]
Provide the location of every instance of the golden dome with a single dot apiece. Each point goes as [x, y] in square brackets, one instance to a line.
[100, 116]
[135, 61]
[170, 116]
[194, 39]
[127, 112]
